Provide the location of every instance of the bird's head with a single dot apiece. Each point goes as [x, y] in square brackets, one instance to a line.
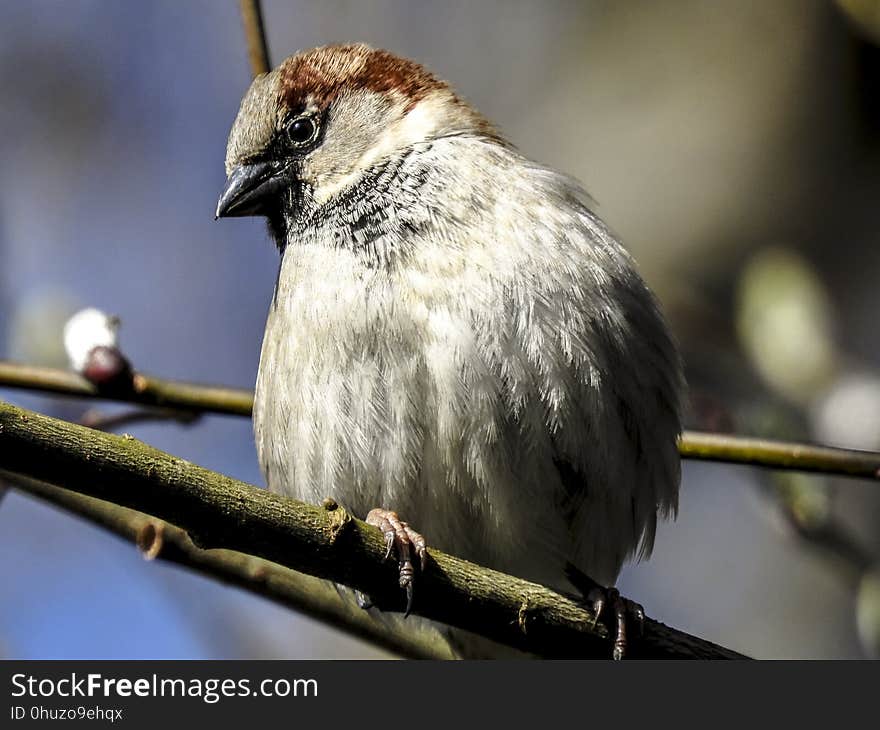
[310, 128]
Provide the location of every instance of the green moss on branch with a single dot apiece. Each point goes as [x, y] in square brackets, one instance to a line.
[220, 512]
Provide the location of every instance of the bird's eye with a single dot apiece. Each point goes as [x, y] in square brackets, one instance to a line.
[302, 131]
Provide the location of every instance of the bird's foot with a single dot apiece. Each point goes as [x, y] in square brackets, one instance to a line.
[623, 611]
[405, 541]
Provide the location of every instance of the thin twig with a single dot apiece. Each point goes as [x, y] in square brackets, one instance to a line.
[146, 390]
[157, 539]
[255, 34]
[218, 511]
[780, 454]
[100, 421]
[727, 448]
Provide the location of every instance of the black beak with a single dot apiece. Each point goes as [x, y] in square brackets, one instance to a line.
[250, 190]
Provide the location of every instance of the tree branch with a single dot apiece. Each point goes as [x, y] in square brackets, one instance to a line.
[218, 511]
[145, 390]
[779, 454]
[115, 421]
[160, 540]
[255, 34]
[699, 445]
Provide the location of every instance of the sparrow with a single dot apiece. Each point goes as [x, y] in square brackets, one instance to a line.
[456, 341]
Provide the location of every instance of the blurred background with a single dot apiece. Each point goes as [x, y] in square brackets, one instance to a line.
[734, 145]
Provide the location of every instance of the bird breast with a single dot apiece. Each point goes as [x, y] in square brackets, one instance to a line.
[448, 384]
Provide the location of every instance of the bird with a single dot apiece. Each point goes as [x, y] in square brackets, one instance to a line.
[457, 347]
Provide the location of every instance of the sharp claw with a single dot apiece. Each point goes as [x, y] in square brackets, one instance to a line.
[597, 599]
[639, 614]
[622, 608]
[400, 537]
[409, 599]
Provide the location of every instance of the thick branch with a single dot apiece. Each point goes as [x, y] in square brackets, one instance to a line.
[218, 511]
[160, 540]
[180, 396]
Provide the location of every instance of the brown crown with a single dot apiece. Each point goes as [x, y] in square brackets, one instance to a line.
[324, 74]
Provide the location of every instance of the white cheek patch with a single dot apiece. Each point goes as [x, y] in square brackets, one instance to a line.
[428, 118]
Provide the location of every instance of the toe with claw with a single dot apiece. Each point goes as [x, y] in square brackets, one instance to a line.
[623, 611]
[404, 541]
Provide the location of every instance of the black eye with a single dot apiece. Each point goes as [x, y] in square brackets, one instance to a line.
[302, 130]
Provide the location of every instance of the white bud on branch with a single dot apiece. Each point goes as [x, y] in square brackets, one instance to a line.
[91, 339]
